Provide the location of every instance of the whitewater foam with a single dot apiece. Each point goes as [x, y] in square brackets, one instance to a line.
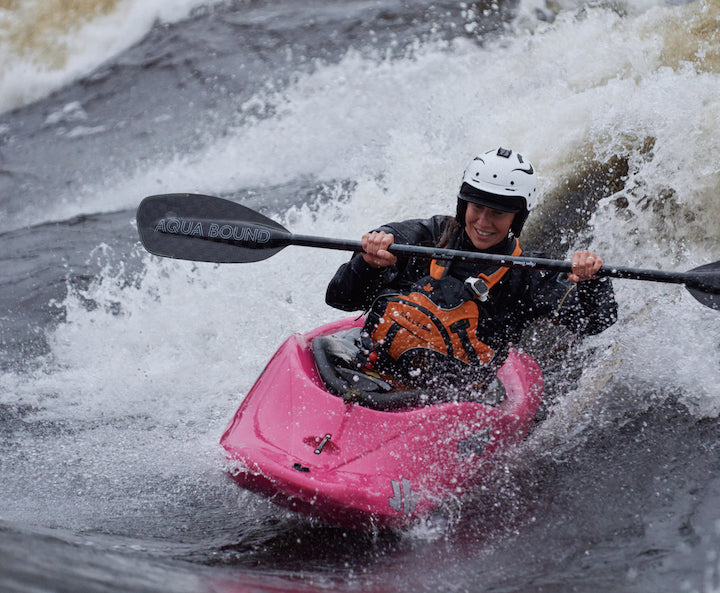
[47, 44]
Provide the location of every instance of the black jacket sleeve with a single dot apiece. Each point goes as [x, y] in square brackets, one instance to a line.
[356, 285]
[590, 307]
[587, 307]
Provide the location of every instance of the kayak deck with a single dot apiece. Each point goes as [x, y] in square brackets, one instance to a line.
[310, 451]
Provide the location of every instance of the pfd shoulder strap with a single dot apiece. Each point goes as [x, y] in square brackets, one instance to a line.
[438, 268]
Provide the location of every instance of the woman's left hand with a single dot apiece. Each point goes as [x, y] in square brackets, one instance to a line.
[585, 265]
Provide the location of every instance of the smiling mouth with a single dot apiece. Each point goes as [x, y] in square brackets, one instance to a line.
[483, 233]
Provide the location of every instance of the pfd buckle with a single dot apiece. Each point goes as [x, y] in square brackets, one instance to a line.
[478, 287]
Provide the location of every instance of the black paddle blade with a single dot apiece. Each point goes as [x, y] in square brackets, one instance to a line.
[209, 229]
[704, 285]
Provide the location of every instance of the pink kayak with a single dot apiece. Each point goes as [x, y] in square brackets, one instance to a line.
[354, 465]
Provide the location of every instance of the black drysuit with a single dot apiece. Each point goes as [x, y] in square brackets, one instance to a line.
[519, 298]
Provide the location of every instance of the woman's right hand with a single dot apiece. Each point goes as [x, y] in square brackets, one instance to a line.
[375, 247]
[584, 266]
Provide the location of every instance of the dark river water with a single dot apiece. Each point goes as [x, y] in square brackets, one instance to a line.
[119, 370]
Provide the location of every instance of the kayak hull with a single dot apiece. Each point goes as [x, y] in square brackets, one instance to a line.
[352, 466]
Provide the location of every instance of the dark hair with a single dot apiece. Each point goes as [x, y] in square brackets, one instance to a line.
[450, 230]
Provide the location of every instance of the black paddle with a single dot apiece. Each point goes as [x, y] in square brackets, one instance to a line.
[205, 228]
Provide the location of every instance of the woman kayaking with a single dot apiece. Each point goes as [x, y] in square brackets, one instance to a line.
[432, 321]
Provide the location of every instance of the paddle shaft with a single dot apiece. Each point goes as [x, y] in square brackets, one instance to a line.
[505, 260]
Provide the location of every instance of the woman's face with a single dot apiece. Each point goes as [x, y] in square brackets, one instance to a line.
[486, 226]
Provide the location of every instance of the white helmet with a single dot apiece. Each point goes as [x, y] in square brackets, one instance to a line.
[500, 179]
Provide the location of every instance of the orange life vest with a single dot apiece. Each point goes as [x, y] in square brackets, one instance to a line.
[440, 315]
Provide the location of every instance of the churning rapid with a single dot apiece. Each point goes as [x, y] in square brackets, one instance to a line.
[120, 370]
